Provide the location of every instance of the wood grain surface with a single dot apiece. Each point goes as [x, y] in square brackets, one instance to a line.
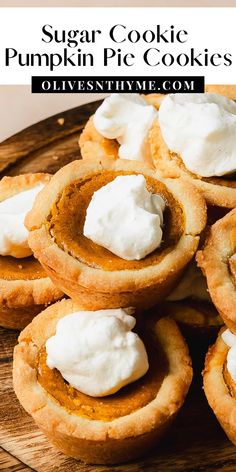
[46, 146]
[195, 443]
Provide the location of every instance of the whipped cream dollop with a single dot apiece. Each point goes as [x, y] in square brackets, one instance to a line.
[201, 128]
[124, 217]
[96, 351]
[127, 118]
[192, 284]
[13, 233]
[230, 340]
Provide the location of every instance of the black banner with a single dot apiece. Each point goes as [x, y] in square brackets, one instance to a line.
[73, 84]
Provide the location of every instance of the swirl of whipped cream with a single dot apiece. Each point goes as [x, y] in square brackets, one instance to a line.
[125, 218]
[201, 128]
[96, 351]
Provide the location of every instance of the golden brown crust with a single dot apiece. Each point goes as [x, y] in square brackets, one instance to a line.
[214, 261]
[169, 167]
[199, 314]
[98, 288]
[20, 293]
[80, 437]
[94, 145]
[18, 318]
[17, 294]
[216, 390]
[10, 186]
[199, 323]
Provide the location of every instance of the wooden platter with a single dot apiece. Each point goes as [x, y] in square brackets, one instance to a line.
[195, 443]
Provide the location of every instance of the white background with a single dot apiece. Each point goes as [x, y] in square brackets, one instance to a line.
[211, 28]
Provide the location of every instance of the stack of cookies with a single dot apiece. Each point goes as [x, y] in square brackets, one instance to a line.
[140, 235]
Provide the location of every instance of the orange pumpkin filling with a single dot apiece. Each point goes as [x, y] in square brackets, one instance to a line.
[68, 215]
[26, 268]
[127, 400]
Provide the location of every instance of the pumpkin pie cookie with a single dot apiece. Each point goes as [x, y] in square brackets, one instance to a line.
[195, 318]
[108, 429]
[220, 382]
[190, 305]
[217, 261]
[88, 271]
[25, 288]
[194, 139]
[199, 323]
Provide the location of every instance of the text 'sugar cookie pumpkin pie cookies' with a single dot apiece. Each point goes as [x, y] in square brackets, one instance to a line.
[111, 234]
[25, 287]
[99, 391]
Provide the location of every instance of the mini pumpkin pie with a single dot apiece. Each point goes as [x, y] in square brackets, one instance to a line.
[217, 261]
[99, 391]
[190, 305]
[219, 381]
[195, 318]
[25, 288]
[191, 286]
[194, 139]
[199, 322]
[141, 231]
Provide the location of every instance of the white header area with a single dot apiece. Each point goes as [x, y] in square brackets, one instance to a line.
[117, 42]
